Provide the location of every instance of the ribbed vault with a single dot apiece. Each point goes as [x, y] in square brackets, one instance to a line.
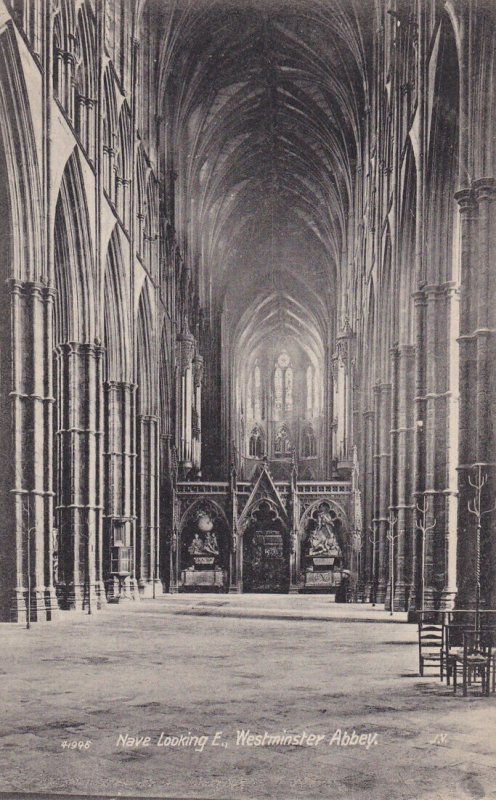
[266, 102]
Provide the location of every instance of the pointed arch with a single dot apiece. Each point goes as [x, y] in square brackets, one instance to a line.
[17, 134]
[165, 403]
[408, 228]
[443, 157]
[386, 322]
[203, 503]
[116, 314]
[370, 342]
[334, 505]
[74, 279]
[145, 353]
[282, 442]
[256, 445]
[308, 442]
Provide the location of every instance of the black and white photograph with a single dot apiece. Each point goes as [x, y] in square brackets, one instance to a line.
[248, 399]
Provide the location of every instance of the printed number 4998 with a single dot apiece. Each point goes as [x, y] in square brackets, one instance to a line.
[76, 745]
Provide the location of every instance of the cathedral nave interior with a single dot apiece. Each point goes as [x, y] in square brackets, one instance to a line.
[248, 320]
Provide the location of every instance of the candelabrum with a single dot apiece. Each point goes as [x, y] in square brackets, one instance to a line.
[391, 537]
[475, 508]
[424, 528]
[372, 536]
[30, 529]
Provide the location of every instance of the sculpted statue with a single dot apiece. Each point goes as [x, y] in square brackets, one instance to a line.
[196, 546]
[323, 539]
[205, 543]
[210, 544]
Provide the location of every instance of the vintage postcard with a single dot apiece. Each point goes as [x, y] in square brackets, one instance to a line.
[247, 397]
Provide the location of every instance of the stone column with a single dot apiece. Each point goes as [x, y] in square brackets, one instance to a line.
[434, 431]
[27, 438]
[383, 455]
[79, 501]
[119, 466]
[239, 561]
[477, 449]
[449, 590]
[165, 507]
[404, 463]
[197, 409]
[485, 195]
[235, 582]
[184, 404]
[467, 453]
[419, 450]
[147, 506]
[393, 476]
[368, 504]
[174, 547]
[234, 544]
[294, 540]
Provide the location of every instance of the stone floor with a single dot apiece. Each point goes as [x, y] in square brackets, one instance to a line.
[175, 667]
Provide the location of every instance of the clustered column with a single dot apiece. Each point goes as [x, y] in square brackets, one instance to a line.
[184, 401]
[197, 406]
[31, 488]
[477, 369]
[79, 377]
[119, 459]
[404, 471]
[382, 455]
[148, 512]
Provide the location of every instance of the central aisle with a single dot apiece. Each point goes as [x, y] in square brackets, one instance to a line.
[152, 671]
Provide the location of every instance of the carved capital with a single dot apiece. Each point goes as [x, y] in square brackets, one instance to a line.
[465, 199]
[484, 189]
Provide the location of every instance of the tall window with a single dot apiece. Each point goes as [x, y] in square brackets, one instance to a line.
[310, 387]
[256, 445]
[309, 446]
[254, 393]
[288, 390]
[257, 392]
[278, 393]
[283, 386]
[282, 445]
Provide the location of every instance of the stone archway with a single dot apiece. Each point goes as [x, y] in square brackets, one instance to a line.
[325, 550]
[266, 550]
[203, 548]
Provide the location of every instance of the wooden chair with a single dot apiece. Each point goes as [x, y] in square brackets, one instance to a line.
[453, 645]
[475, 659]
[488, 632]
[431, 646]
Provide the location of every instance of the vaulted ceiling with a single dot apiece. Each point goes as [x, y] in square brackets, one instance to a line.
[266, 104]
